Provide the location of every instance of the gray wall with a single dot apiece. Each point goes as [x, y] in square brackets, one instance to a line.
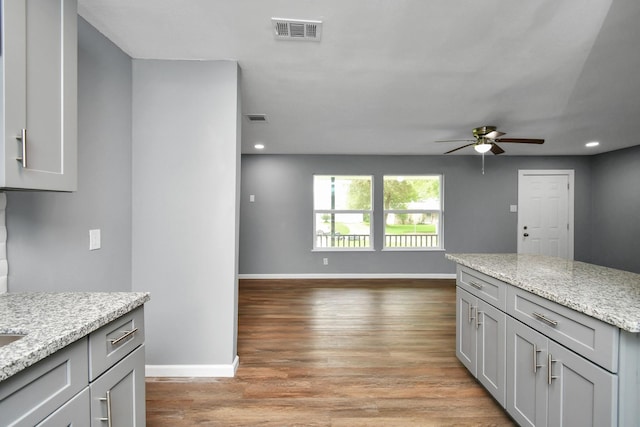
[48, 233]
[616, 209]
[185, 208]
[276, 230]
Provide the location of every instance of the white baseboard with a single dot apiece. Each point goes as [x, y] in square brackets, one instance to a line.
[350, 276]
[219, 371]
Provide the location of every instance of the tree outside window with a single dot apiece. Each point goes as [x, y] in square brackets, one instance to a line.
[412, 212]
[342, 211]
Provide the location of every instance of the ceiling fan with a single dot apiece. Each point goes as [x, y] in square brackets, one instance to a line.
[486, 139]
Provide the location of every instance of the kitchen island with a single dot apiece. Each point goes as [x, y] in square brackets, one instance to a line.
[73, 349]
[556, 342]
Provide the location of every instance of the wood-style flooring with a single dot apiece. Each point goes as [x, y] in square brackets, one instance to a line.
[336, 353]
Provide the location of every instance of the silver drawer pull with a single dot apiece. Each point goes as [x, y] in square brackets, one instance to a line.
[545, 319]
[476, 285]
[108, 400]
[126, 335]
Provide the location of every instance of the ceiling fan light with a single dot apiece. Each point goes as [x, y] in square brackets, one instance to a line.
[482, 148]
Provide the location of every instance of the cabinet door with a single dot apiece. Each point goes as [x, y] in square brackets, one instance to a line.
[466, 308]
[581, 393]
[526, 375]
[491, 367]
[40, 77]
[117, 397]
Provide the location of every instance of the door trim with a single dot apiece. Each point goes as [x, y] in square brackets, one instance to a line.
[570, 173]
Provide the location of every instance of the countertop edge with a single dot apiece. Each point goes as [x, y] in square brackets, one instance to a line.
[49, 347]
[612, 319]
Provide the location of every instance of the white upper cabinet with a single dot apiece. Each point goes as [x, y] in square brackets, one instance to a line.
[39, 95]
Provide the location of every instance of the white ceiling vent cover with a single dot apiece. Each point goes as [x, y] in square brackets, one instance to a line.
[296, 29]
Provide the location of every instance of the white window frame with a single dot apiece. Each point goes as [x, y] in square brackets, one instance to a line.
[317, 212]
[440, 212]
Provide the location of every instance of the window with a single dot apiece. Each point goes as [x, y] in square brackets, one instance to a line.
[342, 212]
[413, 212]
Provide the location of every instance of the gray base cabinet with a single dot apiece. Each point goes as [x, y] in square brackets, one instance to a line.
[546, 364]
[481, 341]
[96, 381]
[549, 385]
[117, 397]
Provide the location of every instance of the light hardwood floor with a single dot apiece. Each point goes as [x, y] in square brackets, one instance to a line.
[336, 353]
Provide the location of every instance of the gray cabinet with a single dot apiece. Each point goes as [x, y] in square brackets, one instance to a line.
[98, 381]
[39, 95]
[117, 396]
[526, 378]
[29, 397]
[480, 338]
[549, 385]
[581, 393]
[116, 372]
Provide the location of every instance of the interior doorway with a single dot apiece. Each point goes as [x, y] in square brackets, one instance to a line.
[545, 212]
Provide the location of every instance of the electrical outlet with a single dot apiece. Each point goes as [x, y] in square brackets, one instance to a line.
[94, 239]
[325, 261]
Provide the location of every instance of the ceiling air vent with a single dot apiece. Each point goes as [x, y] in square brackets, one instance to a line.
[297, 29]
[256, 118]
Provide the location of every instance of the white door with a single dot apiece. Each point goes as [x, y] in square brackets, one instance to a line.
[545, 212]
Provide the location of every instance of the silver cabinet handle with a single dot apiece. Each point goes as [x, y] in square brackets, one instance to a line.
[550, 376]
[23, 137]
[545, 319]
[478, 322]
[108, 400]
[535, 359]
[470, 313]
[476, 285]
[126, 335]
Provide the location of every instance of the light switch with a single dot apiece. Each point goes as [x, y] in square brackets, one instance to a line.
[94, 239]
[252, 198]
[513, 208]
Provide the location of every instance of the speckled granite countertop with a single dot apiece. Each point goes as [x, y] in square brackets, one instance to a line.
[52, 321]
[610, 295]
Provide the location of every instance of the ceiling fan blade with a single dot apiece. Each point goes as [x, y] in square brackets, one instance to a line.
[495, 149]
[521, 140]
[460, 148]
[494, 134]
[456, 140]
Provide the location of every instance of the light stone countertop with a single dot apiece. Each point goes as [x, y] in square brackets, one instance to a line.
[52, 321]
[606, 294]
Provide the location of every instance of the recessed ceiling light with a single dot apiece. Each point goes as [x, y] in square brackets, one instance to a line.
[592, 144]
[259, 146]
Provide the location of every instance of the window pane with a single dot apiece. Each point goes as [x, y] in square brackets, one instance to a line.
[412, 192]
[412, 211]
[349, 192]
[343, 230]
[412, 230]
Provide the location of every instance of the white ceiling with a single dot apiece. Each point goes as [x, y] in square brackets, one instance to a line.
[393, 76]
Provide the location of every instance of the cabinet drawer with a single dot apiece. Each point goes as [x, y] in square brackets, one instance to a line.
[487, 288]
[589, 337]
[31, 395]
[114, 341]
